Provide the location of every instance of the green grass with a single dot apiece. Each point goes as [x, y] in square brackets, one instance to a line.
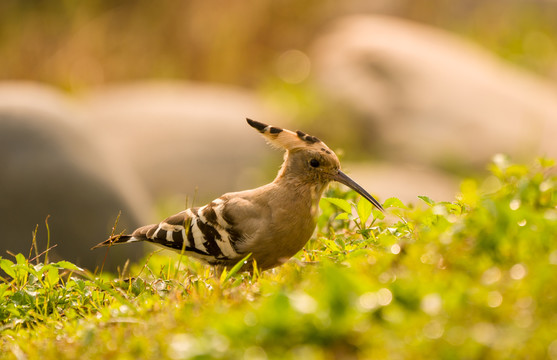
[473, 278]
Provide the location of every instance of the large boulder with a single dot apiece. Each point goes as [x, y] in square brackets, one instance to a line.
[431, 98]
[50, 167]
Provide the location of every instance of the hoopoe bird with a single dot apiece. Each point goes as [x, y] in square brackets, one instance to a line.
[272, 222]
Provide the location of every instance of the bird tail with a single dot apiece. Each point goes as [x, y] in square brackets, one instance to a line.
[116, 239]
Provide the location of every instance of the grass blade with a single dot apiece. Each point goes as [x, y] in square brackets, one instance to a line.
[235, 269]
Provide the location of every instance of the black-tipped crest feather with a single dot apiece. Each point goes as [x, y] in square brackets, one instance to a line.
[257, 125]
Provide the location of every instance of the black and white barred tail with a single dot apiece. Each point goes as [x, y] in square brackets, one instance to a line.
[203, 233]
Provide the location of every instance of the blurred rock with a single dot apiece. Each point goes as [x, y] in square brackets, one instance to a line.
[180, 137]
[432, 98]
[50, 166]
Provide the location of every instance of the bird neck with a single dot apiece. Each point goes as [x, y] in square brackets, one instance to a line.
[296, 184]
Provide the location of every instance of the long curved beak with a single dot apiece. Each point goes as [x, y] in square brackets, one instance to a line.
[344, 179]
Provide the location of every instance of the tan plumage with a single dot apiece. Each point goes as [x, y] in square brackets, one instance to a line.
[273, 222]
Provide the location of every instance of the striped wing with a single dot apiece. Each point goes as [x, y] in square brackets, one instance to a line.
[200, 232]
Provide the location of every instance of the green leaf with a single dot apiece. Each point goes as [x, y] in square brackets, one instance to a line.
[3, 290]
[364, 209]
[546, 162]
[20, 259]
[53, 275]
[67, 265]
[343, 216]
[341, 203]
[396, 203]
[7, 266]
[377, 214]
[427, 200]
[517, 170]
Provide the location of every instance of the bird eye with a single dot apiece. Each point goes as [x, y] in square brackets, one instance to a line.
[314, 163]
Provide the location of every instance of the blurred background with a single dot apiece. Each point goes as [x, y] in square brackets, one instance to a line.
[139, 106]
[78, 45]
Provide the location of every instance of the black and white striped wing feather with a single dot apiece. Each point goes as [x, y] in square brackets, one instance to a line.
[199, 232]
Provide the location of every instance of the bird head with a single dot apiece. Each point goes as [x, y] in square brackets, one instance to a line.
[308, 158]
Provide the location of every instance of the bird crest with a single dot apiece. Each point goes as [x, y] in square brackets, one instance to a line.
[288, 140]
